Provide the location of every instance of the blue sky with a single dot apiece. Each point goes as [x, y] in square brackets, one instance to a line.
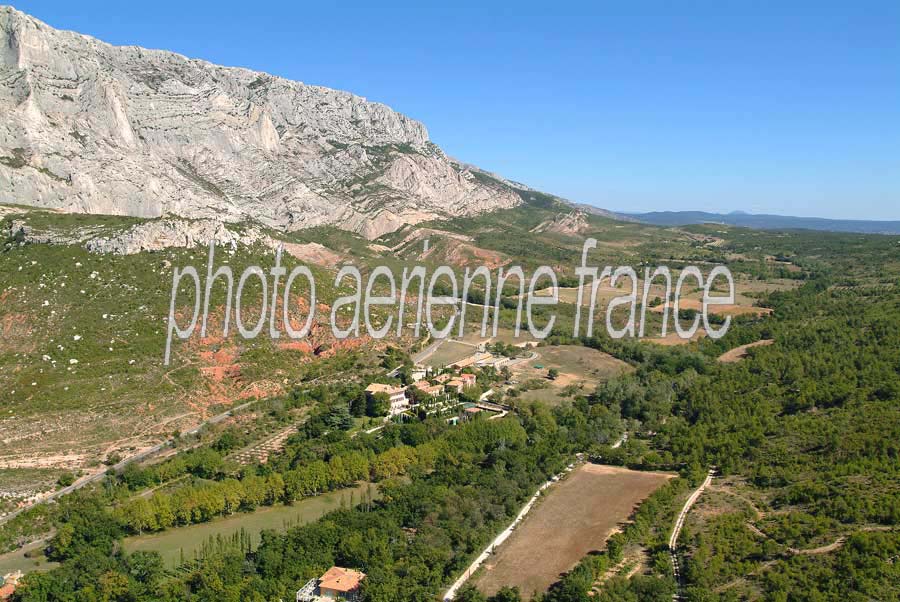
[635, 106]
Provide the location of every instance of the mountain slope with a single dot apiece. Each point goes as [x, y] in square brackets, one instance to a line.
[94, 128]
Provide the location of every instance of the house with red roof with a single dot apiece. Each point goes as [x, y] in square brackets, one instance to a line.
[10, 583]
[337, 584]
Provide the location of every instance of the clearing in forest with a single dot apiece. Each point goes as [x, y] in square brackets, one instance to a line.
[575, 517]
[580, 367]
[738, 353]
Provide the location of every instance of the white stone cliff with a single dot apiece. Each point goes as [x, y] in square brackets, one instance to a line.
[94, 128]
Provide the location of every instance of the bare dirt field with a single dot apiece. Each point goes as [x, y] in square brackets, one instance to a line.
[574, 362]
[672, 339]
[604, 293]
[579, 366]
[573, 519]
[725, 310]
[746, 291]
[314, 253]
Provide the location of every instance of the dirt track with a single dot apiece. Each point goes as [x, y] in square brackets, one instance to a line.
[738, 353]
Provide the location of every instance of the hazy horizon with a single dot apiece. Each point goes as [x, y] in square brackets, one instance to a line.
[743, 212]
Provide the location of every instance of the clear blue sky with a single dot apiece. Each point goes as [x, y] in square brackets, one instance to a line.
[636, 106]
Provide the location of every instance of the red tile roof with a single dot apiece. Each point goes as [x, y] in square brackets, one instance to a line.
[340, 579]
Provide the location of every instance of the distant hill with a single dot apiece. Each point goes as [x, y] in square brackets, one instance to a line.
[768, 222]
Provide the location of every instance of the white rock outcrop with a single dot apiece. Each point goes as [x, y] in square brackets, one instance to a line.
[156, 235]
[150, 235]
[89, 127]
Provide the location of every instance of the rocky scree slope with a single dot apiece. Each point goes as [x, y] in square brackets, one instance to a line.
[93, 128]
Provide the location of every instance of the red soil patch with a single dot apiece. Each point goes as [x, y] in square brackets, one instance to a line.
[672, 339]
[17, 333]
[260, 390]
[302, 346]
[314, 253]
[464, 254]
[342, 345]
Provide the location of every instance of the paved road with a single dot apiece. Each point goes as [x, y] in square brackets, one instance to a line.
[427, 352]
[518, 360]
[142, 455]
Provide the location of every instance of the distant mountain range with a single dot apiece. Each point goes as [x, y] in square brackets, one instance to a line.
[767, 222]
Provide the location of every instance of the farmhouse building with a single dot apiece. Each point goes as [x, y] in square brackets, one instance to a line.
[419, 372]
[467, 379]
[338, 584]
[471, 360]
[456, 384]
[496, 362]
[428, 389]
[396, 395]
[10, 582]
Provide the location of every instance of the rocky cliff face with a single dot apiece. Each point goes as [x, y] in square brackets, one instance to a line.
[152, 235]
[89, 127]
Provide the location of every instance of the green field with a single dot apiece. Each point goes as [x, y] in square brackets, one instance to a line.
[448, 353]
[174, 544]
[18, 561]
